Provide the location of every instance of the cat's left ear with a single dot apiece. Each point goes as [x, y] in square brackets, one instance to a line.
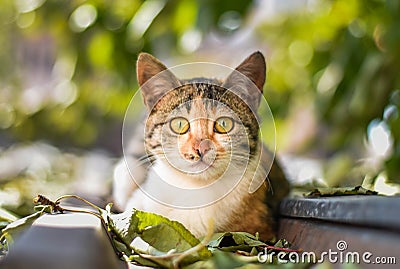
[254, 70]
[154, 79]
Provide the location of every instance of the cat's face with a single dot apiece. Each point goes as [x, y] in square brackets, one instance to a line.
[199, 127]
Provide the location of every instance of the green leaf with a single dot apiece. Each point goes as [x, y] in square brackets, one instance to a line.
[226, 260]
[234, 241]
[146, 220]
[12, 230]
[326, 192]
[207, 264]
[6, 216]
[282, 243]
[162, 235]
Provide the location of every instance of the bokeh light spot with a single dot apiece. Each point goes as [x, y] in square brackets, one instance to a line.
[301, 52]
[65, 93]
[24, 6]
[24, 20]
[7, 115]
[83, 17]
[190, 41]
[331, 77]
[380, 139]
[230, 21]
[143, 18]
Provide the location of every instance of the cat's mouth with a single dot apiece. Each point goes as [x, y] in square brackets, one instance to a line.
[201, 166]
[194, 167]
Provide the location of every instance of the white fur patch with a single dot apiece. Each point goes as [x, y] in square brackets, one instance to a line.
[195, 219]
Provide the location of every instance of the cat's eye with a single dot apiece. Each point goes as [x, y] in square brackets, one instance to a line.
[179, 125]
[223, 125]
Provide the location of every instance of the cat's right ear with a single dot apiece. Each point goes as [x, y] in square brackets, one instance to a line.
[251, 72]
[154, 79]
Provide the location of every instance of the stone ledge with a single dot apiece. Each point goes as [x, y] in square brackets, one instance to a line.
[372, 211]
[320, 236]
[365, 223]
[64, 241]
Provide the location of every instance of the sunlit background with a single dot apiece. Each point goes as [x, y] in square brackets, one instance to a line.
[67, 74]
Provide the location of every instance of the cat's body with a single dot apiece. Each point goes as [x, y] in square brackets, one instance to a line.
[198, 134]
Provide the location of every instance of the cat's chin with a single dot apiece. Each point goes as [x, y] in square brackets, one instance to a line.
[199, 167]
[203, 172]
[192, 168]
[189, 175]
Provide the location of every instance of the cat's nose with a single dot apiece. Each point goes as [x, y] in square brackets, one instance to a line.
[203, 147]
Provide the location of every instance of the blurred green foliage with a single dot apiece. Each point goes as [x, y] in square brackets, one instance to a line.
[67, 75]
[341, 58]
[67, 72]
[90, 48]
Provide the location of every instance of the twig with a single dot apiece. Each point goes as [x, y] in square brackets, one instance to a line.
[76, 197]
[43, 200]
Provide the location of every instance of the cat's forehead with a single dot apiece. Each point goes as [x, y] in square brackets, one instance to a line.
[201, 80]
[199, 96]
[201, 107]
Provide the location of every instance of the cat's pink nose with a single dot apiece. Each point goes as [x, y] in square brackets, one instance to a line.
[203, 147]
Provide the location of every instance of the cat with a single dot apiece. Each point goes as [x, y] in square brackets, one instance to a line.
[197, 133]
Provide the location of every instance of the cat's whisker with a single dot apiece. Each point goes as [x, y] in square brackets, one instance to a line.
[238, 157]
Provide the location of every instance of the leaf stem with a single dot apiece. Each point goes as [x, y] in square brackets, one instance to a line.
[67, 196]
